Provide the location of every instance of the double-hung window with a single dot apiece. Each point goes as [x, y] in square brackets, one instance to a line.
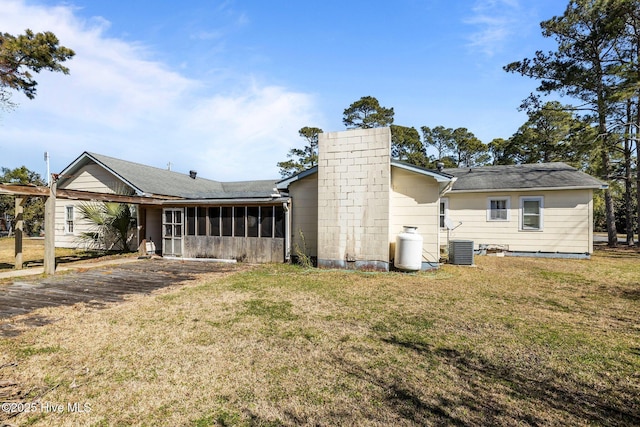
[498, 208]
[444, 212]
[68, 219]
[531, 209]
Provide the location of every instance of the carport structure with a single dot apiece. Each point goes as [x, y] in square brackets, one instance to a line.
[50, 194]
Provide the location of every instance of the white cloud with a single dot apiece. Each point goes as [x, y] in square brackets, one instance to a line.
[121, 102]
[495, 22]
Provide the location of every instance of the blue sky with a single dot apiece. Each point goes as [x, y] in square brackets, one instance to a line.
[222, 87]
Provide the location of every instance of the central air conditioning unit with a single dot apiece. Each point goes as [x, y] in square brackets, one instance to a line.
[461, 252]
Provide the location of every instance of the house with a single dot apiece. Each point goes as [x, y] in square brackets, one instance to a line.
[351, 207]
[190, 216]
[534, 209]
[347, 211]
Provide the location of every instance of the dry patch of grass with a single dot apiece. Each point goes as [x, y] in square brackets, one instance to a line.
[513, 341]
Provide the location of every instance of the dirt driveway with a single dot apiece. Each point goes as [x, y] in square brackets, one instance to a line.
[95, 287]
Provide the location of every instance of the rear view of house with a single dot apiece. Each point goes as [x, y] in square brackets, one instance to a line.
[358, 199]
[347, 211]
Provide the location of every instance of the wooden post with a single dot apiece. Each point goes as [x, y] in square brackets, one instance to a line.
[142, 229]
[19, 228]
[50, 231]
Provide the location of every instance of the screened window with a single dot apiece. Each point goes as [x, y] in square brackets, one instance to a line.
[253, 213]
[214, 221]
[191, 221]
[531, 213]
[238, 221]
[279, 222]
[202, 221]
[498, 208]
[227, 221]
[266, 221]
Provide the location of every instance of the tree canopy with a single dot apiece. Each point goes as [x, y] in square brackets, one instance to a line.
[302, 158]
[406, 146]
[367, 113]
[470, 151]
[26, 53]
[33, 214]
[552, 134]
[441, 139]
[596, 63]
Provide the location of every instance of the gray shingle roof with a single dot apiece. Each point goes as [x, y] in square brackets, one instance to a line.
[531, 176]
[155, 181]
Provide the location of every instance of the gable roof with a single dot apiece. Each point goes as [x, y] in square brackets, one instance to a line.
[152, 181]
[539, 176]
[439, 176]
[283, 184]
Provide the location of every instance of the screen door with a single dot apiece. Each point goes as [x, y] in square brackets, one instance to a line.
[172, 231]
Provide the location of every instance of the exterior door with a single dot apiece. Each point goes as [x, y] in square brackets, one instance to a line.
[172, 231]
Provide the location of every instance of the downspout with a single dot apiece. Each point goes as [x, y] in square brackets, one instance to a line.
[287, 230]
[448, 187]
[444, 191]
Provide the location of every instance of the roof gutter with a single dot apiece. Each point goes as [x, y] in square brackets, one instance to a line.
[494, 190]
[225, 202]
[416, 169]
[284, 184]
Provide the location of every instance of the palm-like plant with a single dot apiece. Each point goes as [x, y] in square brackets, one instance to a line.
[110, 224]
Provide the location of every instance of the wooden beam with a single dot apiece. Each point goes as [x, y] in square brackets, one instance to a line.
[19, 228]
[50, 231]
[24, 190]
[106, 197]
[30, 190]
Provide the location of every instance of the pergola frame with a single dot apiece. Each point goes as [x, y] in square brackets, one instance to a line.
[51, 193]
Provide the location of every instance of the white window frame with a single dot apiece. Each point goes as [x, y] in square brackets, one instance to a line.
[507, 201]
[540, 200]
[67, 220]
[443, 201]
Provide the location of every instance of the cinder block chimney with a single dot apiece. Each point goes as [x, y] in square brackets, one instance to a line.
[354, 199]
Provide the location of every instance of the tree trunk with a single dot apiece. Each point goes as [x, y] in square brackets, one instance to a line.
[636, 39]
[628, 175]
[612, 234]
[637, 141]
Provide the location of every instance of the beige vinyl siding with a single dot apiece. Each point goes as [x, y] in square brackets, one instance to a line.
[63, 238]
[304, 214]
[566, 219]
[93, 177]
[415, 202]
[90, 178]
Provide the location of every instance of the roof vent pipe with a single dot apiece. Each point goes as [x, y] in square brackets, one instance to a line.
[193, 174]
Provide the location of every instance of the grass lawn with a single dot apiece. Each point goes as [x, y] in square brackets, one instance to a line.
[33, 253]
[512, 341]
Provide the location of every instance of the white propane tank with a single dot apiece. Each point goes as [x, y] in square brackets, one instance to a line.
[408, 254]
